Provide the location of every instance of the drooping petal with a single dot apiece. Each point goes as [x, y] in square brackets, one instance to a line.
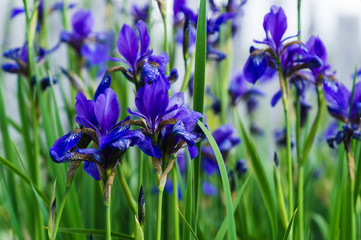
[16, 11]
[82, 22]
[92, 169]
[188, 117]
[63, 145]
[255, 67]
[113, 135]
[148, 148]
[276, 98]
[128, 45]
[275, 25]
[11, 67]
[107, 110]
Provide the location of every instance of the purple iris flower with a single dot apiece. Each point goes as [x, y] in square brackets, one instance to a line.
[339, 97]
[315, 46]
[20, 56]
[169, 123]
[226, 139]
[292, 56]
[137, 55]
[98, 119]
[239, 89]
[140, 13]
[93, 46]
[21, 65]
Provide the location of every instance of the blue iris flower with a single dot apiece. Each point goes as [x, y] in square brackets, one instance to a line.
[93, 46]
[98, 119]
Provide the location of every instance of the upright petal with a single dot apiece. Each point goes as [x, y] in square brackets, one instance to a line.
[107, 110]
[82, 22]
[103, 85]
[151, 101]
[275, 24]
[84, 109]
[144, 38]
[128, 45]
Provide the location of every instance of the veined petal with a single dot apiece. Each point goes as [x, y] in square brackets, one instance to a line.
[255, 67]
[92, 169]
[63, 145]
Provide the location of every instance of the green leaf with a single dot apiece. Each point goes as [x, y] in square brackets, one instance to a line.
[188, 203]
[187, 224]
[199, 88]
[138, 235]
[24, 178]
[35, 191]
[321, 223]
[262, 180]
[289, 227]
[226, 187]
[223, 229]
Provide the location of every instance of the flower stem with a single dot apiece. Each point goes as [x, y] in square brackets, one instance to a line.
[284, 88]
[140, 171]
[60, 212]
[351, 230]
[127, 193]
[159, 214]
[107, 218]
[175, 202]
[300, 201]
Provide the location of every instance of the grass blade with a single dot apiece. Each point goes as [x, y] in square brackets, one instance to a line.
[223, 229]
[263, 182]
[226, 187]
[23, 177]
[187, 224]
[289, 227]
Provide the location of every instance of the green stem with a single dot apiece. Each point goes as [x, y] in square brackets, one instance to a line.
[140, 171]
[300, 202]
[284, 89]
[159, 214]
[107, 218]
[351, 226]
[166, 45]
[175, 202]
[188, 69]
[127, 193]
[60, 212]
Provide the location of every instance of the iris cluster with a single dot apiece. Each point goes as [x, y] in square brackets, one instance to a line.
[166, 124]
